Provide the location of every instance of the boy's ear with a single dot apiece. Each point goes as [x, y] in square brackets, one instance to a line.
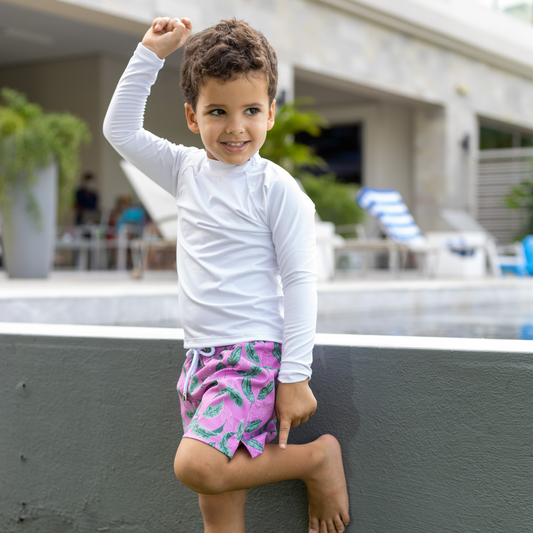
[192, 122]
[271, 115]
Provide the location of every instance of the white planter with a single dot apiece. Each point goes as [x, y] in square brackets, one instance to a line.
[29, 253]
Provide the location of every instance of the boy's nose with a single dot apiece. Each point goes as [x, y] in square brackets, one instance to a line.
[235, 127]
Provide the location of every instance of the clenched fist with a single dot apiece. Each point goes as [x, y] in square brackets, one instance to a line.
[166, 35]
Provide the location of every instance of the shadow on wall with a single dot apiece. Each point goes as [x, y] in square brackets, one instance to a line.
[336, 402]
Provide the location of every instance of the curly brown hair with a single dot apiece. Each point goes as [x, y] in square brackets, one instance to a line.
[230, 48]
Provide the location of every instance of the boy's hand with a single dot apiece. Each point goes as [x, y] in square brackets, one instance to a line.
[166, 35]
[295, 403]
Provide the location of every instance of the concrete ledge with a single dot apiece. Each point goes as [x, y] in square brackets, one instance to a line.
[437, 433]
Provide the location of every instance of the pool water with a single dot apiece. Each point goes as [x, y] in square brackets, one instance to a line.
[490, 322]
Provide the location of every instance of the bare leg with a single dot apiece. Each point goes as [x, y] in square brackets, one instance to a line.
[318, 464]
[223, 513]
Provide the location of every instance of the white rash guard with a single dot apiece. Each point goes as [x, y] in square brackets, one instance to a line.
[246, 252]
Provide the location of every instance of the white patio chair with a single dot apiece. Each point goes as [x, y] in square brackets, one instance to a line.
[462, 221]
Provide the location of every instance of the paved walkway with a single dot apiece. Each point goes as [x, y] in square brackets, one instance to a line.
[74, 282]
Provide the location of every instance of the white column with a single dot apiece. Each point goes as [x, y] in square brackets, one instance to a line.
[285, 83]
[430, 167]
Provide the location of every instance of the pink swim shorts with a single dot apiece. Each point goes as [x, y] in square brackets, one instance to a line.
[231, 396]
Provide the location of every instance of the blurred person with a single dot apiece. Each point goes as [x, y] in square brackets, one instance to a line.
[121, 204]
[133, 218]
[243, 225]
[86, 200]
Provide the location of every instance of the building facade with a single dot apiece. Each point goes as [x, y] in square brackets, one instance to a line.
[419, 79]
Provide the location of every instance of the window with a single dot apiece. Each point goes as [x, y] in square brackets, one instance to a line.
[341, 148]
[492, 137]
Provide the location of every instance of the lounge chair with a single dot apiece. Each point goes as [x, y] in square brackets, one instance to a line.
[395, 220]
[404, 235]
[162, 209]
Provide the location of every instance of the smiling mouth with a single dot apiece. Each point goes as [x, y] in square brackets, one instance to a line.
[235, 144]
[235, 147]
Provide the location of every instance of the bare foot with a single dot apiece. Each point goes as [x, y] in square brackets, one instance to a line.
[326, 489]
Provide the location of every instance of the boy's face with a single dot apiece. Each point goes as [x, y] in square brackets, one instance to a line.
[232, 117]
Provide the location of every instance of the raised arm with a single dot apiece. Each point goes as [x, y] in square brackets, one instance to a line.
[123, 124]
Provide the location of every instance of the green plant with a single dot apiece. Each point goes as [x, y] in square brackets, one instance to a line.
[521, 197]
[280, 146]
[334, 201]
[31, 139]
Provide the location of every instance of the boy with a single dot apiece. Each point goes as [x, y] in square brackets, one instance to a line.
[243, 223]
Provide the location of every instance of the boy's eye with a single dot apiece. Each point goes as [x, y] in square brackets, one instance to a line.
[217, 112]
[252, 111]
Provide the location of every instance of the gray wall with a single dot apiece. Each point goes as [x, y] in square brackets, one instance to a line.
[437, 433]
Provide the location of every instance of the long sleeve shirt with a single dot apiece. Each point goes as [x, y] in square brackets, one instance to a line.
[246, 251]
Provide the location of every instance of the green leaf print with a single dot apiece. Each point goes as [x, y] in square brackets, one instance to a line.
[190, 412]
[240, 430]
[223, 444]
[235, 396]
[251, 354]
[265, 391]
[265, 429]
[247, 389]
[235, 356]
[276, 351]
[252, 426]
[254, 371]
[220, 366]
[200, 431]
[254, 444]
[194, 384]
[213, 410]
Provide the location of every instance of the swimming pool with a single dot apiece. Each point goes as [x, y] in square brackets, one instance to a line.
[495, 308]
[504, 321]
[488, 322]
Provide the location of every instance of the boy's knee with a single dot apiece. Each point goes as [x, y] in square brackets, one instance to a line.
[196, 473]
